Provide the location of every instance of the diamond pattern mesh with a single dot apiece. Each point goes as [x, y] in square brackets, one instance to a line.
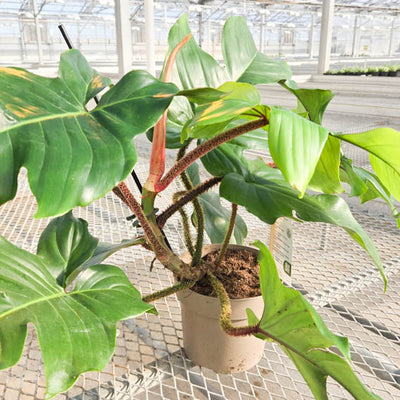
[334, 273]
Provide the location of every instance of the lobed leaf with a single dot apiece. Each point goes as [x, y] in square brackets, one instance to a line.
[289, 320]
[73, 156]
[76, 330]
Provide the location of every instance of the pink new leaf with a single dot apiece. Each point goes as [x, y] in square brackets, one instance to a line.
[157, 158]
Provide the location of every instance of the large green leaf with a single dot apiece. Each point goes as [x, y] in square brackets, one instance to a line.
[244, 62]
[239, 98]
[296, 145]
[383, 145]
[76, 330]
[73, 156]
[230, 156]
[326, 177]
[289, 320]
[216, 215]
[269, 197]
[65, 245]
[193, 68]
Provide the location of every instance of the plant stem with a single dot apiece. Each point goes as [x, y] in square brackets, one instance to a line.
[168, 291]
[206, 147]
[116, 190]
[228, 235]
[186, 198]
[161, 251]
[198, 209]
[225, 317]
[186, 229]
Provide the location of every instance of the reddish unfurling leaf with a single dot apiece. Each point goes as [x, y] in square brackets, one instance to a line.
[157, 158]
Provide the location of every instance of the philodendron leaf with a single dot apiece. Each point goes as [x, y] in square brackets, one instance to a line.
[65, 245]
[296, 145]
[217, 220]
[313, 101]
[269, 197]
[76, 330]
[244, 62]
[230, 156]
[367, 186]
[73, 156]
[383, 145]
[105, 250]
[357, 185]
[239, 98]
[216, 215]
[326, 177]
[193, 68]
[289, 320]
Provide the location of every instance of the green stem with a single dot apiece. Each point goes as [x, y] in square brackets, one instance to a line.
[206, 147]
[168, 291]
[225, 317]
[228, 235]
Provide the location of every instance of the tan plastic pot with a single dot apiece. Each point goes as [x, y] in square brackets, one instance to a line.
[205, 343]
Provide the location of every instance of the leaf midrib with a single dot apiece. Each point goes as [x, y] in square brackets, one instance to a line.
[61, 294]
[76, 113]
[40, 120]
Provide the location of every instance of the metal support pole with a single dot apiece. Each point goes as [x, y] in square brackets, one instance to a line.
[311, 36]
[38, 35]
[328, 9]
[262, 33]
[149, 32]
[123, 35]
[209, 45]
[201, 28]
[356, 36]
[390, 52]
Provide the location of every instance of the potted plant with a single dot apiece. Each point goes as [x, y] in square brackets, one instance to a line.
[75, 154]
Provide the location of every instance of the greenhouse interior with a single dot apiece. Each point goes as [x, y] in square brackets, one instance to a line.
[200, 199]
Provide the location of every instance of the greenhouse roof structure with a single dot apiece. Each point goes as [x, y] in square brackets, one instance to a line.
[29, 34]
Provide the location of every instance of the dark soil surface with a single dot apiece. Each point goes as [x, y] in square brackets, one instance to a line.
[238, 272]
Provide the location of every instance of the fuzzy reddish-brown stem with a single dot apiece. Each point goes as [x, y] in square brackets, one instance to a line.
[186, 198]
[225, 317]
[162, 253]
[205, 148]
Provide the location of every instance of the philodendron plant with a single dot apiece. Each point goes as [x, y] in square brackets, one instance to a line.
[210, 114]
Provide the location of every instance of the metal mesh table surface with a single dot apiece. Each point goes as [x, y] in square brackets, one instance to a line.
[334, 273]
